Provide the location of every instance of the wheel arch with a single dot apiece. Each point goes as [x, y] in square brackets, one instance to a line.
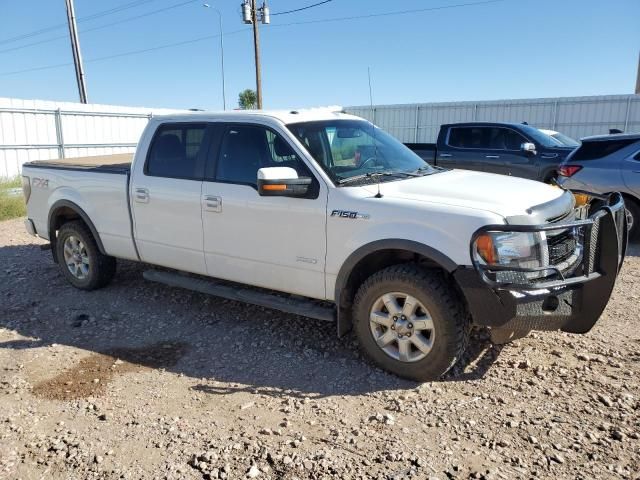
[63, 211]
[373, 257]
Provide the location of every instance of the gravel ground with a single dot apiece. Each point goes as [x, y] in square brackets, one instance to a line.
[139, 381]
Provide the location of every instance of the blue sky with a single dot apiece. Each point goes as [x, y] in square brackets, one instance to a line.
[504, 49]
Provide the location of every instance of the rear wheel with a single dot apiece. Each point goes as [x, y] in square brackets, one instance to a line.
[410, 322]
[80, 259]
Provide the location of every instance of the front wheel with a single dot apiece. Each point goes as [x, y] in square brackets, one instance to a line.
[80, 259]
[633, 214]
[411, 322]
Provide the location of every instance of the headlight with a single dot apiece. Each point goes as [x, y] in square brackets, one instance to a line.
[512, 249]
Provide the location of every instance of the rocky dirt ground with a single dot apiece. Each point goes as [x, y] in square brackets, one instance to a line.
[143, 381]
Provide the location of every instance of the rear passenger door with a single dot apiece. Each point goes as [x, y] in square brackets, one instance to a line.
[273, 242]
[166, 189]
[464, 148]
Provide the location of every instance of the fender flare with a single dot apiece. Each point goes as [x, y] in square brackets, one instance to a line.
[83, 215]
[343, 314]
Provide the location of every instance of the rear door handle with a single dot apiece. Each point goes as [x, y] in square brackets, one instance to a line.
[492, 156]
[142, 195]
[212, 203]
[445, 155]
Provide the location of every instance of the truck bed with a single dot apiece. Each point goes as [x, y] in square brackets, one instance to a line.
[426, 151]
[117, 163]
[97, 186]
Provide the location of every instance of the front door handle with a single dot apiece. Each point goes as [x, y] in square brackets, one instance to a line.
[492, 156]
[212, 203]
[142, 195]
[445, 155]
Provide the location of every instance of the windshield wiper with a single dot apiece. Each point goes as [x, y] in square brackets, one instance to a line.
[425, 170]
[355, 178]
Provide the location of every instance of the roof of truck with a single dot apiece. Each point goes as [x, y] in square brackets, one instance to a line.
[285, 116]
[612, 136]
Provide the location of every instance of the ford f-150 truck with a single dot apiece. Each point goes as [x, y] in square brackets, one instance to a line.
[322, 214]
[513, 149]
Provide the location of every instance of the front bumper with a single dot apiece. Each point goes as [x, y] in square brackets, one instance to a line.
[572, 303]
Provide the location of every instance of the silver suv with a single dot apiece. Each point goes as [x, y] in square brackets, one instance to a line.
[604, 164]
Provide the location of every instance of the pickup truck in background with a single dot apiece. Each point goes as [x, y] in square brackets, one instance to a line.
[321, 214]
[512, 149]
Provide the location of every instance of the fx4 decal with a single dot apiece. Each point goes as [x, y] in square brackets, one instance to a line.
[41, 182]
[349, 214]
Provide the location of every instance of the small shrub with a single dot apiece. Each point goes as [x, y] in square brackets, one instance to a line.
[11, 206]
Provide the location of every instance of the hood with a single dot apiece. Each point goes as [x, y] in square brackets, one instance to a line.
[500, 194]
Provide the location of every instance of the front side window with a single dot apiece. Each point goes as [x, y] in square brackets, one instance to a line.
[505, 139]
[247, 148]
[175, 152]
[355, 148]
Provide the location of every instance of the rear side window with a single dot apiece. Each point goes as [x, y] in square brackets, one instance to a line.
[176, 152]
[469, 137]
[595, 150]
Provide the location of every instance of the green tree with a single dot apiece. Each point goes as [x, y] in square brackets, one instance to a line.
[247, 99]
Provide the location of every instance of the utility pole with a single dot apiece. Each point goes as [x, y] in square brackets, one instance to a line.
[75, 48]
[252, 14]
[638, 77]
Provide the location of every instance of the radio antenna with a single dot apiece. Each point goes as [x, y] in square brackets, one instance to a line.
[373, 131]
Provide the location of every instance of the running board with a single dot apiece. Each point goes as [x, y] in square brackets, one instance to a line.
[296, 306]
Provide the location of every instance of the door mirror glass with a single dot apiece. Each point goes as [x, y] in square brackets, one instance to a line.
[282, 182]
[529, 147]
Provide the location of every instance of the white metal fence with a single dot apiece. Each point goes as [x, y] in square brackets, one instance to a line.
[575, 116]
[41, 130]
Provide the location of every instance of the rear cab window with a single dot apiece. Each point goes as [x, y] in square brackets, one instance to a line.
[485, 138]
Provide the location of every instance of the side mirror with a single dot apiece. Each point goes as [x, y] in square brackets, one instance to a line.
[281, 182]
[529, 147]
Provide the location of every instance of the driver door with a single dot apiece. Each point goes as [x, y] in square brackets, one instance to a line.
[272, 242]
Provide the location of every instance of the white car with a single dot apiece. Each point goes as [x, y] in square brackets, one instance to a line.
[324, 215]
[562, 139]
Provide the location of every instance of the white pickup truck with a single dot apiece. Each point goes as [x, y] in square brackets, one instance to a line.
[322, 214]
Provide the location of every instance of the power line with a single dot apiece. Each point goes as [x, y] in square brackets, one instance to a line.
[83, 19]
[387, 14]
[207, 37]
[302, 8]
[100, 27]
[125, 54]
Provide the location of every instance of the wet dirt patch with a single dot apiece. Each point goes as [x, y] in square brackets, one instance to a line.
[91, 375]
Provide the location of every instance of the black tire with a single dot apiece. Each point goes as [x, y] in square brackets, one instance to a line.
[633, 208]
[450, 321]
[101, 268]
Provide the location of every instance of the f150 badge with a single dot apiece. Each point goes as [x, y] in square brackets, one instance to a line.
[349, 214]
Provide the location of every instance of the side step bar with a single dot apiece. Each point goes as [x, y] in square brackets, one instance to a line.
[294, 305]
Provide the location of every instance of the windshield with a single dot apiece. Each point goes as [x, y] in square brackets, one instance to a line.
[564, 140]
[539, 137]
[355, 148]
